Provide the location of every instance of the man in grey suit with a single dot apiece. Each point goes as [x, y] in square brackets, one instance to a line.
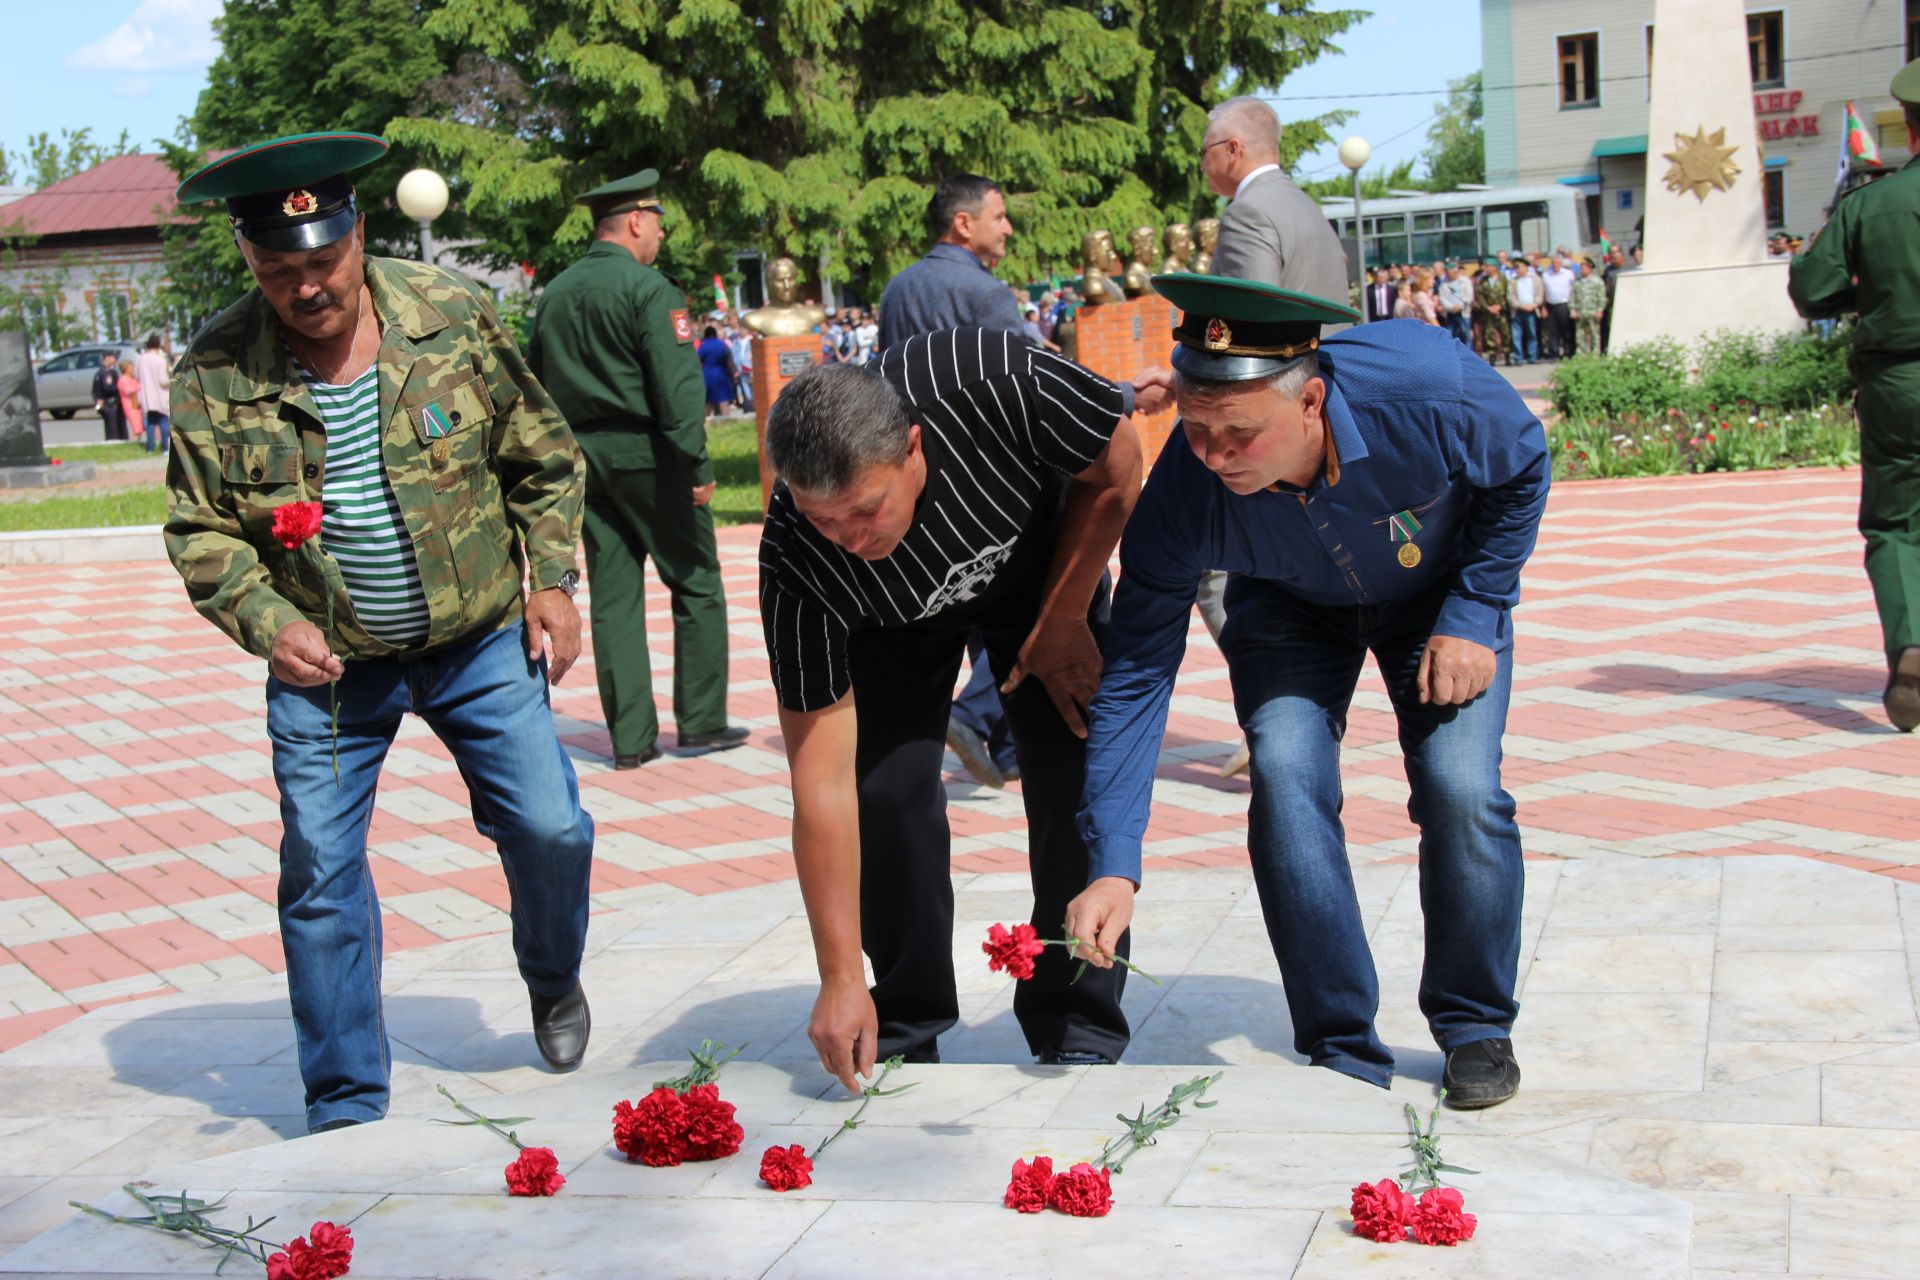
[1274, 233]
[954, 287]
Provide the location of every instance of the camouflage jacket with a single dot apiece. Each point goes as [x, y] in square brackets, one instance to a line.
[485, 470]
[1490, 290]
[1589, 296]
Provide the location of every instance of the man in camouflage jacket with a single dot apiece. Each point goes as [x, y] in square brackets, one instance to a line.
[1490, 310]
[449, 460]
[1589, 305]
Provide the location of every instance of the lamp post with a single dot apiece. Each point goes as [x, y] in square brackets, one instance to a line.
[1355, 152]
[422, 196]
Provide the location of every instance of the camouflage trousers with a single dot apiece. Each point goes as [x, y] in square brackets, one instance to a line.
[1496, 340]
[1588, 330]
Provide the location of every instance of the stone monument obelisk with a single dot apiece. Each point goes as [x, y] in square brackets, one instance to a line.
[1706, 228]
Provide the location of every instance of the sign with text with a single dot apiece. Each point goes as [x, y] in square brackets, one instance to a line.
[1783, 102]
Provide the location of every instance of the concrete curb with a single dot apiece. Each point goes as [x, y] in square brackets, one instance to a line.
[82, 546]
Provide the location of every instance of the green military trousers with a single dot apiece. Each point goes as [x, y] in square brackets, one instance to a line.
[640, 504]
[1889, 410]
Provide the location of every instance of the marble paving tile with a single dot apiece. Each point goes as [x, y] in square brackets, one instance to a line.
[1869, 1097]
[86, 1245]
[1848, 995]
[33, 1092]
[1565, 1246]
[1738, 1230]
[160, 1042]
[1759, 1158]
[263, 997]
[1270, 1099]
[1235, 953]
[1733, 1061]
[182, 1138]
[1639, 963]
[1612, 1043]
[1809, 937]
[1800, 891]
[1866, 1238]
[876, 1239]
[1658, 895]
[959, 1097]
[1248, 1025]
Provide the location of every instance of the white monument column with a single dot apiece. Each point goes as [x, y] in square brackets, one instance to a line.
[1705, 234]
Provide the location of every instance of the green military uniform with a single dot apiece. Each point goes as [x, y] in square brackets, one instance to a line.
[1866, 259]
[613, 342]
[1490, 291]
[1589, 304]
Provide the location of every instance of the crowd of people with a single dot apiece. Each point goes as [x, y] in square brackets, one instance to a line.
[1512, 308]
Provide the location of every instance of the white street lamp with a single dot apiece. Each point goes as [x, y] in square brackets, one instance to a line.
[1354, 153]
[422, 195]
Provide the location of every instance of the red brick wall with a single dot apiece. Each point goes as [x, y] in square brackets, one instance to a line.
[1119, 339]
[767, 386]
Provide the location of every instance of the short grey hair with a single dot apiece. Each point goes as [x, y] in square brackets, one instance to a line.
[1289, 382]
[1252, 121]
[831, 424]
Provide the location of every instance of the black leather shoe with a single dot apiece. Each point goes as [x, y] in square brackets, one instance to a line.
[338, 1122]
[1071, 1058]
[928, 1052]
[1902, 698]
[1481, 1074]
[719, 740]
[634, 762]
[561, 1025]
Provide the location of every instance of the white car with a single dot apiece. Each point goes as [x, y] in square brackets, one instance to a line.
[64, 384]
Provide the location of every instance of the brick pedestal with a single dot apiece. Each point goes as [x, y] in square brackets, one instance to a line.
[1157, 319]
[776, 362]
[1119, 339]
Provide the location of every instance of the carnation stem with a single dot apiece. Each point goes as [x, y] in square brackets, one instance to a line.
[867, 1095]
[188, 1217]
[1071, 942]
[706, 1066]
[477, 1118]
[1427, 1164]
[1142, 1128]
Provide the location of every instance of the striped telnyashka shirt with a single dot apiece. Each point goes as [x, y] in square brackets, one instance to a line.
[1000, 421]
[363, 529]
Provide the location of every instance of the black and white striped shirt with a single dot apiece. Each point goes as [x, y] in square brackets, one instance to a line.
[1000, 422]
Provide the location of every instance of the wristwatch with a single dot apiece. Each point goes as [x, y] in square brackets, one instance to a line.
[569, 582]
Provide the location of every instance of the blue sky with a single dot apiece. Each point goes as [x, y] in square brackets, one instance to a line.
[138, 65]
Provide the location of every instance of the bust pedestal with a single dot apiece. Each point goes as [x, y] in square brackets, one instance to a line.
[776, 362]
[1119, 339]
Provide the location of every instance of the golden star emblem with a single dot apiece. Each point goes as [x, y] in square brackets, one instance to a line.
[1700, 163]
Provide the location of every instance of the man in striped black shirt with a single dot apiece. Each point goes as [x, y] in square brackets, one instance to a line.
[973, 481]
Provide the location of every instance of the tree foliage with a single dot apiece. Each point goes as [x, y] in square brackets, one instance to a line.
[818, 127]
[49, 159]
[1456, 141]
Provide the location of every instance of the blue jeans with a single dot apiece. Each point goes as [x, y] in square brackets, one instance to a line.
[1526, 336]
[488, 703]
[978, 706]
[1294, 666]
[159, 432]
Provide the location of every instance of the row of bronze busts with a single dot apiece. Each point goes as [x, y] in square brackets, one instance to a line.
[1100, 261]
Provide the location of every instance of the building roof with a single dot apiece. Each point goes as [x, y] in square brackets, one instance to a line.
[126, 193]
[1631, 145]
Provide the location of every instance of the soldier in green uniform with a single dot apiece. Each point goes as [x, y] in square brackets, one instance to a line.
[1490, 304]
[363, 471]
[1589, 305]
[612, 341]
[1867, 260]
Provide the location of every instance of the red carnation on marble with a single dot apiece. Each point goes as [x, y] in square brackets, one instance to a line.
[1013, 951]
[1441, 1218]
[1083, 1191]
[786, 1168]
[324, 1252]
[295, 522]
[712, 1131]
[654, 1130]
[1381, 1211]
[535, 1172]
[1028, 1191]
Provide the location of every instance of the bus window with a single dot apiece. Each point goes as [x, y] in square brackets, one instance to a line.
[1518, 228]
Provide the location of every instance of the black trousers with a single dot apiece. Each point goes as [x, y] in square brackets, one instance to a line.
[113, 425]
[1560, 328]
[902, 685]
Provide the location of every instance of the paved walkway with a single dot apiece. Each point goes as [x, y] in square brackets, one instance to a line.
[1698, 674]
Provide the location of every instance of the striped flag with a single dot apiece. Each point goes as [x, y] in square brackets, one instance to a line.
[1860, 140]
[719, 293]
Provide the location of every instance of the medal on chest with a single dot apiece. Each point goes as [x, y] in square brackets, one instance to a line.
[1402, 528]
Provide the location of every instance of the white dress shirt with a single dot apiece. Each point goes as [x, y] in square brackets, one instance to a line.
[1241, 189]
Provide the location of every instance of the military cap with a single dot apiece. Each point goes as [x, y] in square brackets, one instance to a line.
[623, 195]
[1906, 83]
[1235, 330]
[287, 194]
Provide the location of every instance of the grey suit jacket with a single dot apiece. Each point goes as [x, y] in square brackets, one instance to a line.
[1275, 233]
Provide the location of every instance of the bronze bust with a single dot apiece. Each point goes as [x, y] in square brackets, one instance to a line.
[782, 317]
[1179, 241]
[1139, 277]
[1207, 231]
[1098, 262]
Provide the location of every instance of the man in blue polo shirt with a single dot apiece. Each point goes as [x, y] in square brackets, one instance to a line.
[1377, 491]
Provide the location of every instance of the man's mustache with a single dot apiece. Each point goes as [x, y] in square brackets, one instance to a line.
[319, 302]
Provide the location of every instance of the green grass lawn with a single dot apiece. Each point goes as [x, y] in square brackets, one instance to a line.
[733, 445]
[119, 451]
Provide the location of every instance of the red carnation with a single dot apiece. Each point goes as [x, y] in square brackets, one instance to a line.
[327, 1255]
[654, 1131]
[1441, 1218]
[535, 1172]
[295, 522]
[1013, 952]
[1031, 1184]
[786, 1168]
[1083, 1191]
[1381, 1211]
[711, 1130]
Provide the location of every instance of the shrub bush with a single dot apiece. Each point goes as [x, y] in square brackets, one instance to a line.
[1727, 371]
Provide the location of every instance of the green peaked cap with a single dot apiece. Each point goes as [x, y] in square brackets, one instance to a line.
[1906, 83]
[1235, 330]
[287, 194]
[623, 195]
